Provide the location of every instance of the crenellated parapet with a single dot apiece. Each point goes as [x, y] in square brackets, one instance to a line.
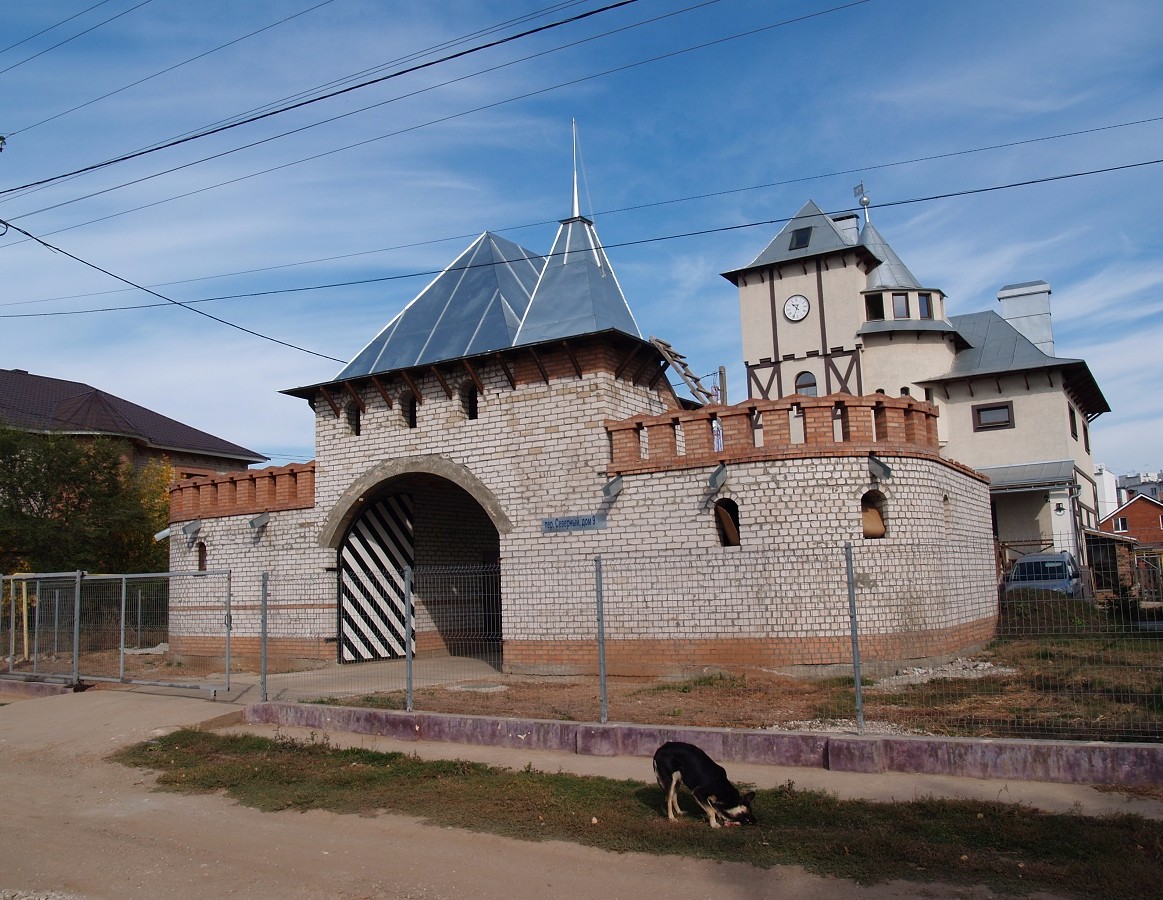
[243, 493]
[794, 426]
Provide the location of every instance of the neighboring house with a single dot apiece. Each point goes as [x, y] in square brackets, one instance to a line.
[828, 308]
[1147, 484]
[36, 404]
[1140, 518]
[514, 412]
[1140, 522]
[1108, 490]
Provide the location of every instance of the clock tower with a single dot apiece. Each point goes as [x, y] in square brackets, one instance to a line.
[800, 305]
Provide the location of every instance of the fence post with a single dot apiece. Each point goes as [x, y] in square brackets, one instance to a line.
[408, 638]
[855, 638]
[77, 628]
[12, 625]
[36, 628]
[601, 637]
[262, 639]
[121, 644]
[229, 628]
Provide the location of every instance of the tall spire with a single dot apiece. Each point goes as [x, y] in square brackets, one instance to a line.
[576, 205]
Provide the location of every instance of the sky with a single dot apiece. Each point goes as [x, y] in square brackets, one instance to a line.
[999, 142]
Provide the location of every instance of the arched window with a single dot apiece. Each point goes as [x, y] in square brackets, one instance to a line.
[469, 399]
[201, 556]
[872, 514]
[408, 409]
[727, 522]
[806, 384]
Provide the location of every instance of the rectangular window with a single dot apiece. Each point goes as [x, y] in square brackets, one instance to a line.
[800, 238]
[925, 305]
[874, 307]
[900, 306]
[1073, 422]
[1086, 436]
[988, 417]
[1120, 523]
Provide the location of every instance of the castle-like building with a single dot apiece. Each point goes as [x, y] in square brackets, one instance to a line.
[514, 417]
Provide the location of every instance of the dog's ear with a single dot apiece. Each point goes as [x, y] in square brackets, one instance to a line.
[748, 797]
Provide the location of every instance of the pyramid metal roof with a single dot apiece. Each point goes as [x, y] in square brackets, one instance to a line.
[474, 306]
[892, 273]
[578, 292]
[36, 403]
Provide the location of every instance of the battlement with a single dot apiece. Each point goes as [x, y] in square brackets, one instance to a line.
[839, 424]
[243, 493]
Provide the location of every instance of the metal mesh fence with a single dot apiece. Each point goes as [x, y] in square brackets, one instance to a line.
[75, 627]
[876, 637]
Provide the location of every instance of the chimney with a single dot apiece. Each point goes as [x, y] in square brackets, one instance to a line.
[1026, 307]
[848, 225]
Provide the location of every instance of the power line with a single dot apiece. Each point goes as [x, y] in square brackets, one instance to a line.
[188, 304]
[614, 211]
[287, 108]
[75, 36]
[51, 27]
[327, 121]
[169, 69]
[94, 266]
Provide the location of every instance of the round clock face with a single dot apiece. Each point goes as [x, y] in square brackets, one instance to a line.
[796, 307]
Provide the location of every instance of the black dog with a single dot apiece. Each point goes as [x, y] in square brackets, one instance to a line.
[677, 763]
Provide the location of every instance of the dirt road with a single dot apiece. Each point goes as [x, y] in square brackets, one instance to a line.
[77, 826]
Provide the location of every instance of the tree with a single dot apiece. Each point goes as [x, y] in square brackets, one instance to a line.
[68, 503]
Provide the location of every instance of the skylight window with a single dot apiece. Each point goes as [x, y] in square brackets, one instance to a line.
[800, 238]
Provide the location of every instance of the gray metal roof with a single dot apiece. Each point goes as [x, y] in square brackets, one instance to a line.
[578, 292]
[1030, 476]
[825, 237]
[896, 325]
[892, 273]
[474, 306]
[995, 347]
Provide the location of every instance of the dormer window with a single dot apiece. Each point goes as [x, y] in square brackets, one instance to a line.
[925, 305]
[800, 238]
[900, 306]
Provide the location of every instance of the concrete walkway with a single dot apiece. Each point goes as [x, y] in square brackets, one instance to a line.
[99, 721]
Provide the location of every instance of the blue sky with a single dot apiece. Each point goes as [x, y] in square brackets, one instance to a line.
[702, 127]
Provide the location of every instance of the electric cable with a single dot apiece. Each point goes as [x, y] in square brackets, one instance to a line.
[168, 69]
[289, 107]
[51, 27]
[188, 304]
[75, 36]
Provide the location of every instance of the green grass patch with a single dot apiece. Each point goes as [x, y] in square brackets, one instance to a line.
[716, 680]
[1012, 849]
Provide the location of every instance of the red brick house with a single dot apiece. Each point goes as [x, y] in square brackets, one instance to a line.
[1141, 518]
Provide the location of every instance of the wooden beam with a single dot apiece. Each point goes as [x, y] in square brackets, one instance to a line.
[540, 365]
[330, 401]
[572, 357]
[412, 387]
[625, 364]
[444, 384]
[473, 375]
[641, 370]
[382, 390]
[505, 368]
[354, 395]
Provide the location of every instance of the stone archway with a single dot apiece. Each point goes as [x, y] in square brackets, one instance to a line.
[411, 516]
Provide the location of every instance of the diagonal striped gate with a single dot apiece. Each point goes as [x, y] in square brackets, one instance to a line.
[372, 560]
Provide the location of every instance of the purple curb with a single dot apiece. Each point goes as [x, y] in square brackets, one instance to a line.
[1060, 762]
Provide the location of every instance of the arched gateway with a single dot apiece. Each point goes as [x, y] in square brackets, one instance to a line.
[430, 525]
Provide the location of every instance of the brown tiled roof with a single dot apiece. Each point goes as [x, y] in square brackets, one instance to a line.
[36, 403]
